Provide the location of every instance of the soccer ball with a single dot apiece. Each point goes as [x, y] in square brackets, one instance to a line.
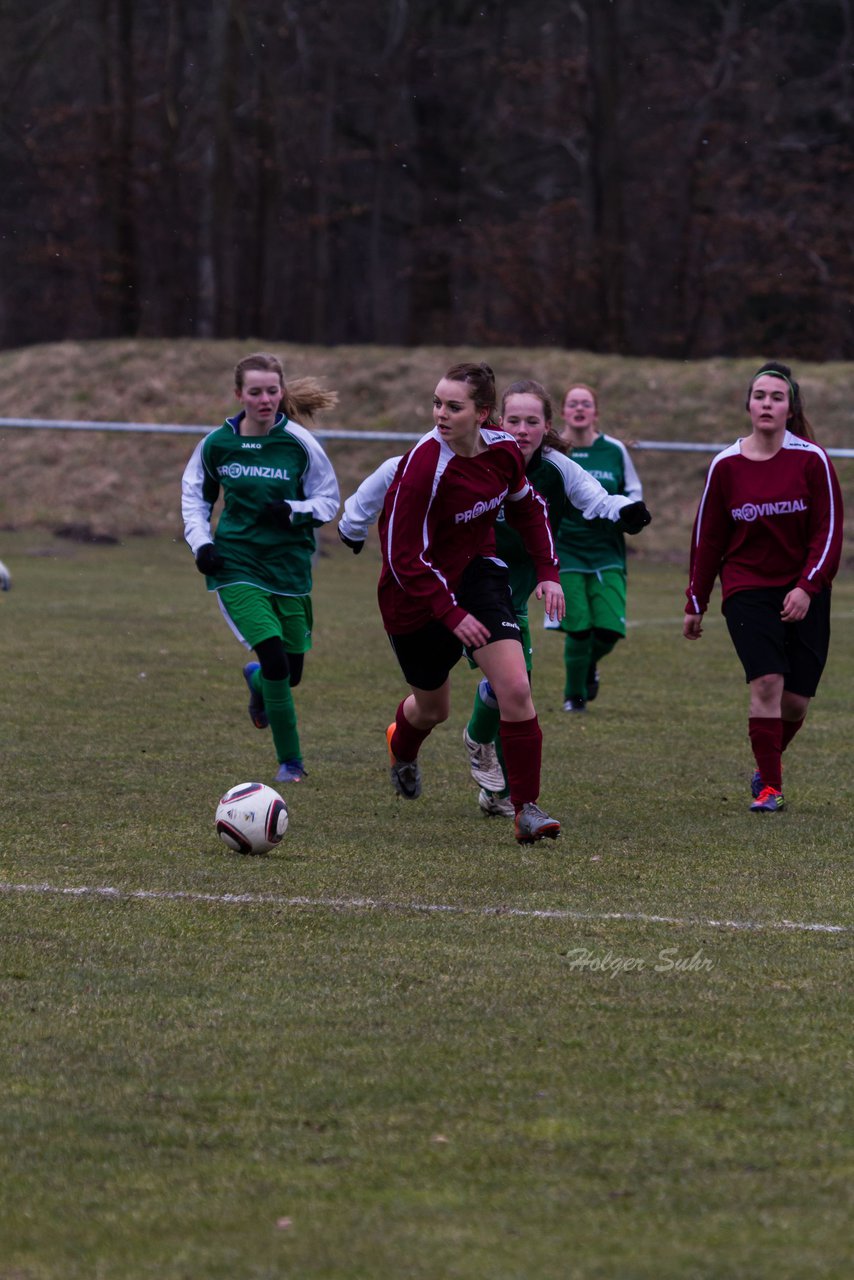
[251, 818]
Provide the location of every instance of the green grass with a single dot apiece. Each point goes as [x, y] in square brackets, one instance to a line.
[196, 1087]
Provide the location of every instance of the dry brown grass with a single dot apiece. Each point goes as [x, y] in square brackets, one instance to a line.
[123, 485]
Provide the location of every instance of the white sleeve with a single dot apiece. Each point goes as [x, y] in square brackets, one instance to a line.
[585, 492]
[362, 508]
[195, 507]
[319, 481]
[633, 486]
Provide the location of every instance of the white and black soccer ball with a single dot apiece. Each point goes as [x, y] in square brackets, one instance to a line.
[251, 818]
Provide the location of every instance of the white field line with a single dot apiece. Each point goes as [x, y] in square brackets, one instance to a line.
[431, 908]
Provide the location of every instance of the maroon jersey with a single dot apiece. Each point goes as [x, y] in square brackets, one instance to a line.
[439, 513]
[775, 523]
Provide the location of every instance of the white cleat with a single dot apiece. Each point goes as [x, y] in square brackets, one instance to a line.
[495, 806]
[484, 764]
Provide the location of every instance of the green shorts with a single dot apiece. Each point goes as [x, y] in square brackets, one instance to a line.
[255, 615]
[594, 600]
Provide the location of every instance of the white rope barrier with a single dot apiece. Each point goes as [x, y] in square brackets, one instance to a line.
[174, 429]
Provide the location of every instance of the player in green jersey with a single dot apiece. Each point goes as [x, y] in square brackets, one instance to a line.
[569, 490]
[277, 486]
[592, 553]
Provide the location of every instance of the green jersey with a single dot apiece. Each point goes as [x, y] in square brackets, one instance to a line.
[549, 484]
[251, 471]
[570, 493]
[586, 546]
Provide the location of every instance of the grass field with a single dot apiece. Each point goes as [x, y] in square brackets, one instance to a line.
[400, 1045]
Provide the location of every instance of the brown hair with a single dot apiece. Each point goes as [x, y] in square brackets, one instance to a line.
[797, 421]
[301, 398]
[481, 382]
[527, 386]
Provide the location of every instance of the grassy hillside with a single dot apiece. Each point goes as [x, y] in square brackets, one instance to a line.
[120, 486]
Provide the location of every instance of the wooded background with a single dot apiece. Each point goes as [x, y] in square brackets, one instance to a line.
[651, 177]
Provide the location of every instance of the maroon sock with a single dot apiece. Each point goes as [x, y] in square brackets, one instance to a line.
[790, 728]
[522, 745]
[406, 739]
[766, 736]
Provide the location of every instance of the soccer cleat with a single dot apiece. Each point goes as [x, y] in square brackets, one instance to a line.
[575, 703]
[483, 763]
[756, 784]
[257, 714]
[495, 806]
[592, 682]
[291, 771]
[769, 800]
[533, 824]
[405, 775]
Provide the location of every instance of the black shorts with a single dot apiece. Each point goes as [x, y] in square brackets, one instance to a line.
[768, 646]
[428, 655]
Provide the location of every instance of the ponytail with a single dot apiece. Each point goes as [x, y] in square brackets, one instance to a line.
[797, 421]
[301, 398]
[304, 397]
[481, 381]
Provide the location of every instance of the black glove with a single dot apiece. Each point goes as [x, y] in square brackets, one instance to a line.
[208, 559]
[279, 513]
[352, 543]
[634, 517]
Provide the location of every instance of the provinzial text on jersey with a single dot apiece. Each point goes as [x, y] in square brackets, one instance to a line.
[479, 509]
[754, 510]
[234, 470]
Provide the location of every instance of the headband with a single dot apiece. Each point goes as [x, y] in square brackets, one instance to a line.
[775, 373]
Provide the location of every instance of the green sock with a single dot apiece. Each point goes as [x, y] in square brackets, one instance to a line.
[601, 648]
[279, 705]
[577, 656]
[483, 725]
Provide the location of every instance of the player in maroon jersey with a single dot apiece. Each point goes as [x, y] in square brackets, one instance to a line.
[770, 524]
[442, 589]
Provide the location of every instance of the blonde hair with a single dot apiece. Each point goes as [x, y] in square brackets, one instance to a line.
[301, 397]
